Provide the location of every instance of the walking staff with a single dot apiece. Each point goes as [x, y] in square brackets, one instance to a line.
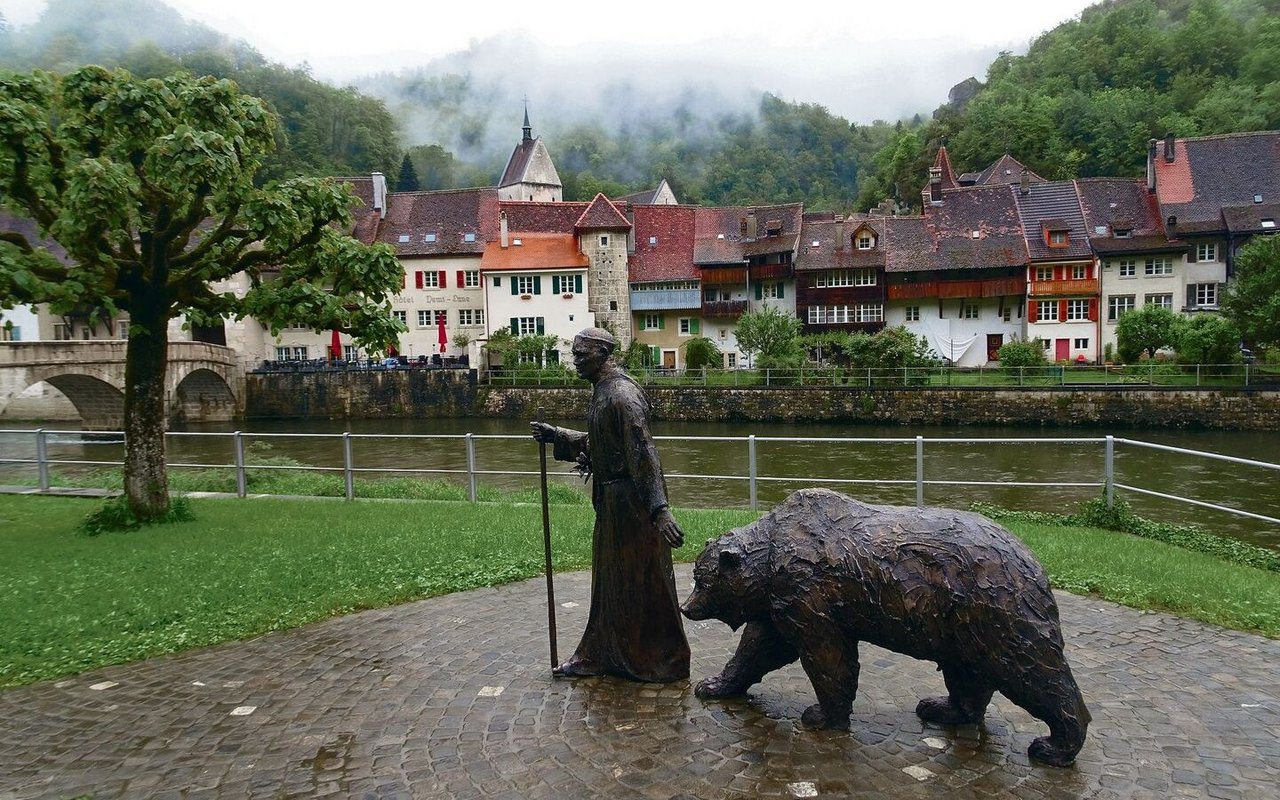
[546, 549]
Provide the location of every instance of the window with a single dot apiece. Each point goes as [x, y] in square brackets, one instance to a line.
[1159, 266]
[525, 285]
[1058, 239]
[350, 352]
[122, 330]
[864, 277]
[566, 284]
[1082, 344]
[1047, 310]
[1077, 310]
[1162, 300]
[61, 332]
[429, 279]
[1007, 314]
[469, 317]
[731, 360]
[1044, 273]
[497, 280]
[442, 317]
[604, 240]
[424, 318]
[968, 311]
[1268, 223]
[471, 279]
[724, 333]
[913, 313]
[653, 322]
[291, 353]
[844, 277]
[688, 326]
[1128, 267]
[402, 317]
[429, 238]
[866, 241]
[527, 326]
[1124, 233]
[653, 240]
[869, 312]
[1079, 272]
[613, 305]
[1202, 295]
[770, 290]
[1207, 252]
[468, 237]
[1117, 304]
[403, 238]
[11, 333]
[823, 315]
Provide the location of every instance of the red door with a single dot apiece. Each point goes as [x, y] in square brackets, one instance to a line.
[1062, 349]
[994, 341]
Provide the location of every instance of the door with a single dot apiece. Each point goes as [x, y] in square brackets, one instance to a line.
[1062, 349]
[994, 340]
[668, 359]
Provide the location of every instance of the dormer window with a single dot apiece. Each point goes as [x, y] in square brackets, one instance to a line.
[468, 237]
[1124, 233]
[1058, 238]
[866, 241]
[1268, 223]
[773, 227]
[404, 238]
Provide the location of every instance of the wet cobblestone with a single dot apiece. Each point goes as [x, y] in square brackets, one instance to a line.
[452, 697]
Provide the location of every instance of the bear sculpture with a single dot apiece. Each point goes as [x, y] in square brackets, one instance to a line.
[822, 572]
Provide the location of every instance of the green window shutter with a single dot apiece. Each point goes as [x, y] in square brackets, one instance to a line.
[780, 291]
[693, 327]
[515, 326]
[555, 284]
[514, 283]
[537, 284]
[577, 284]
[662, 322]
[655, 356]
[541, 323]
[759, 291]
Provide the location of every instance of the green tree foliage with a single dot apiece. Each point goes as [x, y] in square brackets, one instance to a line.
[1021, 353]
[1252, 299]
[701, 352]
[407, 181]
[1207, 339]
[1148, 329]
[771, 333]
[149, 186]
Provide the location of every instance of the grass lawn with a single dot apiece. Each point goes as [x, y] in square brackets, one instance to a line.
[70, 602]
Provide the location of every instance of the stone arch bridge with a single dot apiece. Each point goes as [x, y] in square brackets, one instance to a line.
[203, 382]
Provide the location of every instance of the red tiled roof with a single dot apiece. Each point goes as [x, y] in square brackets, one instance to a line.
[719, 237]
[518, 163]
[365, 217]
[943, 238]
[1211, 173]
[449, 216]
[535, 217]
[1006, 169]
[670, 256]
[536, 251]
[1053, 205]
[828, 253]
[601, 215]
[1112, 204]
[943, 162]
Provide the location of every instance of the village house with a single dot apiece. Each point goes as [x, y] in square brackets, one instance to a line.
[665, 293]
[840, 274]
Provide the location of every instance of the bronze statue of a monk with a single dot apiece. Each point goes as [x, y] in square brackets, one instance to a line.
[634, 629]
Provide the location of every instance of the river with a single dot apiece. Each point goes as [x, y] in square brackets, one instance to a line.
[998, 464]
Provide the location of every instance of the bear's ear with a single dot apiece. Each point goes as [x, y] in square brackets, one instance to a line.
[730, 560]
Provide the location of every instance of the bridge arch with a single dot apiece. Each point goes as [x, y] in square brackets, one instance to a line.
[202, 394]
[99, 404]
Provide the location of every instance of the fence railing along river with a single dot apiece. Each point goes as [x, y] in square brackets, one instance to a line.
[1160, 480]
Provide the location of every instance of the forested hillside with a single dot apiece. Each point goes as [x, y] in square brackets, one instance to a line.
[326, 130]
[1088, 95]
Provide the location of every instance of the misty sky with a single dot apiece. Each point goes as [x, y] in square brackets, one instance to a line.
[881, 60]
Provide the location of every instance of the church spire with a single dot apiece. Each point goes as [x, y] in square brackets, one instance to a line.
[528, 129]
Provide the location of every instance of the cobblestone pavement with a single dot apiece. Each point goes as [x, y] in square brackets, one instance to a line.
[452, 697]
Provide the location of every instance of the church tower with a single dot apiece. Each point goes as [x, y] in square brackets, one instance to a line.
[530, 173]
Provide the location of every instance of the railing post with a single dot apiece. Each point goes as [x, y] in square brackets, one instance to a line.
[766, 376]
[348, 477]
[1197, 373]
[471, 468]
[1246, 373]
[919, 472]
[868, 377]
[751, 470]
[1109, 471]
[237, 449]
[42, 459]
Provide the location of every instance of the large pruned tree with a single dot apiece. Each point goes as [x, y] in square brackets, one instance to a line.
[1252, 299]
[149, 186]
[1147, 328]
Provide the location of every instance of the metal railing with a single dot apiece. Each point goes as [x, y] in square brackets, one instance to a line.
[1136, 376]
[753, 477]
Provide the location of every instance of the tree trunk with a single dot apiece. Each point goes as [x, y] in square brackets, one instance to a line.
[146, 485]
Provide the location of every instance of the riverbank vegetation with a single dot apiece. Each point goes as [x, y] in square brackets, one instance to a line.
[240, 568]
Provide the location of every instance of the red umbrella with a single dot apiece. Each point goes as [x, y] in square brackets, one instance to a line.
[335, 345]
[444, 339]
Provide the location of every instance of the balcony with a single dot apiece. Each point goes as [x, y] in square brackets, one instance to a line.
[662, 300]
[1088, 286]
[771, 272]
[994, 287]
[724, 309]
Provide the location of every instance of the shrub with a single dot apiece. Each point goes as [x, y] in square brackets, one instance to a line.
[1022, 353]
[701, 352]
[114, 516]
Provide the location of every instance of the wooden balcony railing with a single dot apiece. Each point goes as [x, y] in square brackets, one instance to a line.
[724, 309]
[1050, 288]
[993, 287]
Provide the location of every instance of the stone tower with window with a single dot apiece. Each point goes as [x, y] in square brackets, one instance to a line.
[602, 236]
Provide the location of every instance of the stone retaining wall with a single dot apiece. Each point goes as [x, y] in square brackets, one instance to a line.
[455, 394]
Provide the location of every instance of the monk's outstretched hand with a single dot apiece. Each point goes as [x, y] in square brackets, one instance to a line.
[666, 525]
[542, 432]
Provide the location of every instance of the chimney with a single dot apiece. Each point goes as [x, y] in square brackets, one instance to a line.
[380, 194]
[1171, 228]
[839, 232]
[1168, 148]
[752, 228]
[935, 185]
[502, 227]
[1151, 165]
[1024, 183]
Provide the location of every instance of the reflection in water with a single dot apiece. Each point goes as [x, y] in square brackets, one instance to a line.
[989, 469]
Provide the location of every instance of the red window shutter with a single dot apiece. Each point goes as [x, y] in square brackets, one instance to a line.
[417, 279]
[441, 280]
[462, 279]
[1062, 311]
[1033, 310]
[1093, 309]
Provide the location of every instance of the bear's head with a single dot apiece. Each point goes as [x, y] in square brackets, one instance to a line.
[729, 582]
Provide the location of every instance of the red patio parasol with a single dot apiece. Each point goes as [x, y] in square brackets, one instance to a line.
[335, 345]
[444, 338]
